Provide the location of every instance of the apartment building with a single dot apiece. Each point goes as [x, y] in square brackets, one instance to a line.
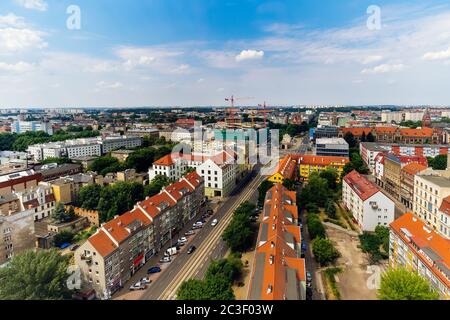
[431, 188]
[368, 205]
[120, 142]
[286, 169]
[392, 171]
[27, 126]
[400, 135]
[334, 147]
[278, 271]
[19, 181]
[122, 246]
[39, 199]
[407, 175]
[219, 176]
[309, 164]
[416, 247]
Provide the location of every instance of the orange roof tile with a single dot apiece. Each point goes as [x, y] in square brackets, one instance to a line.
[411, 229]
[165, 161]
[102, 243]
[414, 168]
[357, 132]
[423, 132]
[322, 160]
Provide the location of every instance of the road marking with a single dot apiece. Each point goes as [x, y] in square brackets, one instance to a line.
[193, 263]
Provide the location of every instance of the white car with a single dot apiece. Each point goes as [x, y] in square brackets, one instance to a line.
[214, 222]
[138, 286]
[146, 280]
[183, 240]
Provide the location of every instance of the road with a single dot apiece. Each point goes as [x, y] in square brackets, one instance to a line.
[209, 247]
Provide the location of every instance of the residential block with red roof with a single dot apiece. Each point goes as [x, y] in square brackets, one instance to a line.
[309, 164]
[416, 247]
[286, 169]
[278, 273]
[368, 205]
[391, 134]
[122, 246]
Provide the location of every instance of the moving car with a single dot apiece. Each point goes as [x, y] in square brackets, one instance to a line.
[154, 270]
[191, 249]
[183, 240]
[138, 286]
[214, 222]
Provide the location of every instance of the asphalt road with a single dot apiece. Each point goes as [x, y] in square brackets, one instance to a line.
[209, 246]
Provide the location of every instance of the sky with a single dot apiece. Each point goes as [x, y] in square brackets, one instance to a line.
[198, 52]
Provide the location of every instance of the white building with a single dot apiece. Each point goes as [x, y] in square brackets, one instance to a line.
[220, 178]
[26, 126]
[369, 206]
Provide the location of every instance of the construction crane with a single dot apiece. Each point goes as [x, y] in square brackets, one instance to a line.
[265, 111]
[234, 110]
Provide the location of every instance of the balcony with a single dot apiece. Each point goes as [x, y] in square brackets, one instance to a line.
[86, 257]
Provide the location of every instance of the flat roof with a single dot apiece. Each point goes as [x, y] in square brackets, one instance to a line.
[437, 180]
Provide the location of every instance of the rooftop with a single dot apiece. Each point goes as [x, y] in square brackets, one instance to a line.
[437, 180]
[363, 187]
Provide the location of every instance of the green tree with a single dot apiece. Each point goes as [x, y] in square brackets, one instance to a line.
[330, 209]
[290, 184]
[315, 227]
[263, 189]
[192, 290]
[370, 137]
[324, 251]
[40, 275]
[88, 197]
[230, 268]
[218, 288]
[439, 162]
[331, 175]
[103, 164]
[350, 138]
[316, 191]
[61, 215]
[156, 185]
[400, 284]
[239, 234]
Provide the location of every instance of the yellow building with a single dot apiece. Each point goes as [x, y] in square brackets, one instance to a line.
[63, 190]
[284, 170]
[309, 164]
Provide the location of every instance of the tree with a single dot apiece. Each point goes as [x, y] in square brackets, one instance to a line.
[192, 290]
[316, 191]
[104, 165]
[363, 137]
[330, 209]
[315, 227]
[60, 215]
[213, 288]
[40, 275]
[156, 185]
[230, 268]
[350, 138]
[439, 162]
[370, 137]
[239, 234]
[400, 284]
[263, 189]
[88, 197]
[332, 176]
[324, 251]
[62, 238]
[290, 184]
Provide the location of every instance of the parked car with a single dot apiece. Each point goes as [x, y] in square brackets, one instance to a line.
[172, 251]
[154, 270]
[198, 224]
[146, 280]
[165, 260]
[189, 233]
[196, 227]
[75, 247]
[215, 222]
[301, 226]
[181, 244]
[304, 247]
[210, 212]
[64, 246]
[138, 286]
[183, 240]
[191, 249]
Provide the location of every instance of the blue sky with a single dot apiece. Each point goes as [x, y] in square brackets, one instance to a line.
[196, 52]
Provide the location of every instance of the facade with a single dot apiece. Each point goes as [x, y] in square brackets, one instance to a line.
[369, 206]
[334, 147]
[286, 169]
[40, 200]
[309, 164]
[122, 246]
[67, 188]
[26, 126]
[278, 273]
[407, 175]
[326, 132]
[19, 181]
[396, 135]
[220, 177]
[416, 247]
[431, 188]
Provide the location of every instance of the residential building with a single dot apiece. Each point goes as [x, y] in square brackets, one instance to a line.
[286, 169]
[326, 132]
[392, 171]
[121, 155]
[278, 272]
[334, 147]
[431, 188]
[399, 135]
[416, 247]
[120, 142]
[66, 189]
[122, 246]
[26, 126]
[19, 181]
[369, 206]
[309, 164]
[54, 171]
[407, 175]
[7, 157]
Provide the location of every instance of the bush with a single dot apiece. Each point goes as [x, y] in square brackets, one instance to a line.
[315, 227]
[330, 210]
[325, 252]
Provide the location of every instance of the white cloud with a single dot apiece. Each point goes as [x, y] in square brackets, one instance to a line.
[11, 20]
[371, 59]
[201, 80]
[13, 39]
[18, 67]
[108, 85]
[437, 55]
[384, 68]
[39, 5]
[249, 55]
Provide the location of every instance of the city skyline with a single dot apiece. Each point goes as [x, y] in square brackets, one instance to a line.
[166, 53]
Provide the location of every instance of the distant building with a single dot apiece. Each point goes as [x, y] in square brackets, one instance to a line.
[278, 272]
[326, 132]
[334, 147]
[416, 247]
[369, 206]
[27, 126]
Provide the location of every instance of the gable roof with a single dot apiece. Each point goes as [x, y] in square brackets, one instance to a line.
[414, 168]
[362, 186]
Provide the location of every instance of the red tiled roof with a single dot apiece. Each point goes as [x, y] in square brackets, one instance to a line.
[165, 161]
[357, 132]
[321, 160]
[445, 206]
[286, 167]
[419, 133]
[102, 243]
[385, 129]
[414, 168]
[363, 187]
[424, 238]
